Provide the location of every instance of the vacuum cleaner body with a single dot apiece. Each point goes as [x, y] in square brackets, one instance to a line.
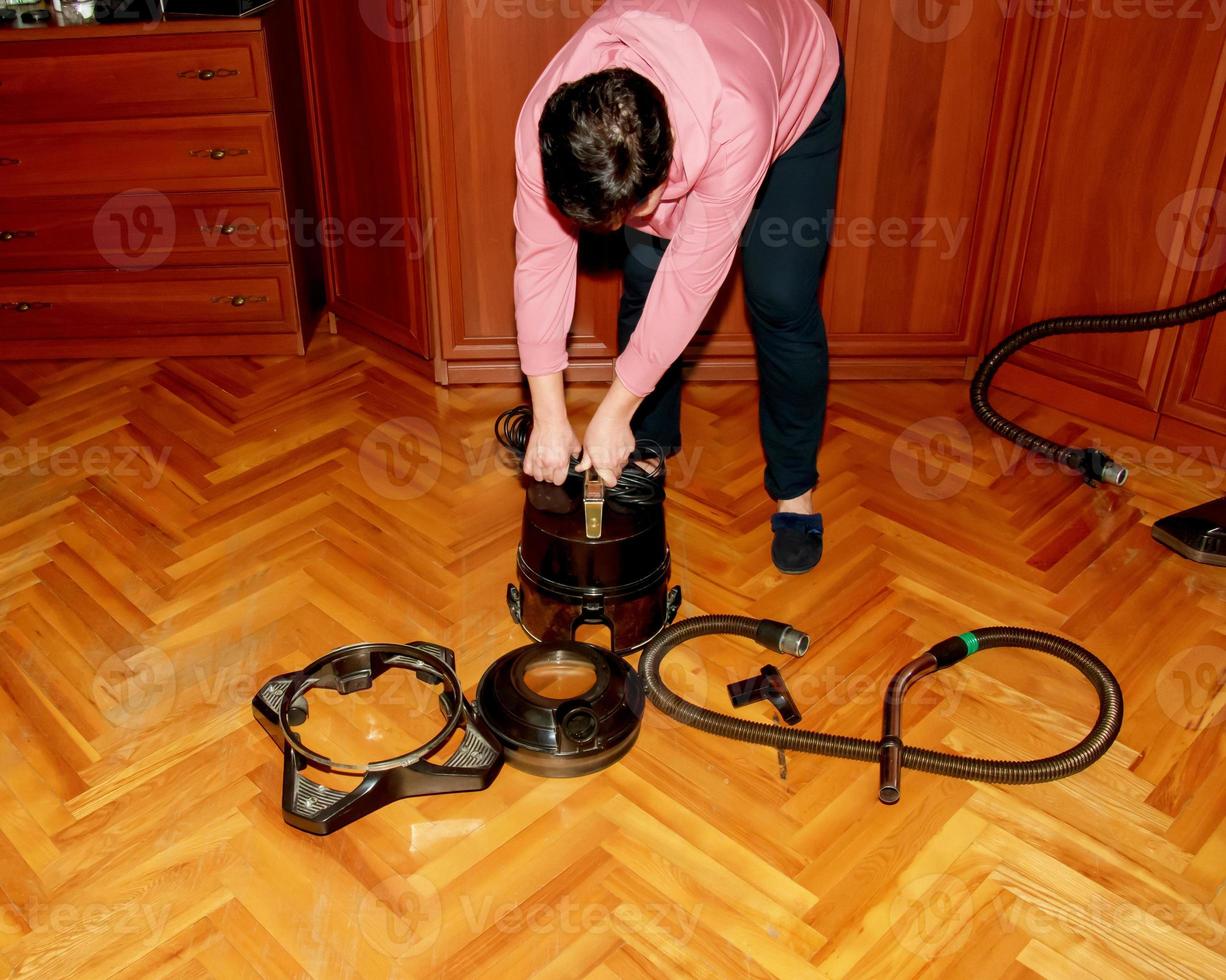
[584, 559]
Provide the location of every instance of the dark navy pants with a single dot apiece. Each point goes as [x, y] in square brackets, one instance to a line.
[783, 255]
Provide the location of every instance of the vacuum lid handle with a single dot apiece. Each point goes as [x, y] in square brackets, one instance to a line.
[593, 504]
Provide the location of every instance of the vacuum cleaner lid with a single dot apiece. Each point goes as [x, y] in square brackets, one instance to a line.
[570, 735]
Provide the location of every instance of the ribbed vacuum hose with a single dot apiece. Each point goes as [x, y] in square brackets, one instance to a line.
[1094, 465]
[1074, 760]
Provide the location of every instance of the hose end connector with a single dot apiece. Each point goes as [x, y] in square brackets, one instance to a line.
[781, 638]
[1097, 467]
[891, 771]
[1115, 474]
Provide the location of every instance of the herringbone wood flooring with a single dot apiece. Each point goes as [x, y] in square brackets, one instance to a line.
[173, 532]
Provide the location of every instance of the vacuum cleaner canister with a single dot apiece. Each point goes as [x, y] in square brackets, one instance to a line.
[587, 559]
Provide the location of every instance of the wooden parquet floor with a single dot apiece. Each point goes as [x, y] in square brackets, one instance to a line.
[174, 532]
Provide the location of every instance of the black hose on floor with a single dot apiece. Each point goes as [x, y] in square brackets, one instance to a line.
[776, 637]
[1093, 464]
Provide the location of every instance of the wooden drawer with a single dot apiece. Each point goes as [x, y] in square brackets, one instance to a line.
[141, 230]
[57, 305]
[191, 153]
[132, 77]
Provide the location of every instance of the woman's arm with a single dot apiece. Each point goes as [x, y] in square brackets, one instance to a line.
[545, 269]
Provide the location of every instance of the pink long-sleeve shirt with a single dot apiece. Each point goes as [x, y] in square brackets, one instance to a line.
[742, 80]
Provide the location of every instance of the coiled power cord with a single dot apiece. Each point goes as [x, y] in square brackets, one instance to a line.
[890, 752]
[1093, 464]
[636, 486]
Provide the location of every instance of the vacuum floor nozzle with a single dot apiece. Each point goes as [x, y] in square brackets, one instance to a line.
[1198, 534]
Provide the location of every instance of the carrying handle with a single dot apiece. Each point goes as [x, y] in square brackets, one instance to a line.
[593, 504]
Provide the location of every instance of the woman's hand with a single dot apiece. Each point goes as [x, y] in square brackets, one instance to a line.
[553, 443]
[608, 441]
[607, 445]
[550, 448]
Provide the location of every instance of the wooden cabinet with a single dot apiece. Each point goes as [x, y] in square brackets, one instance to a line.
[156, 190]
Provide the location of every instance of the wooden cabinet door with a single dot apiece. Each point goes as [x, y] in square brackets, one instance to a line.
[912, 201]
[479, 66]
[1117, 146]
[1196, 396]
[373, 235]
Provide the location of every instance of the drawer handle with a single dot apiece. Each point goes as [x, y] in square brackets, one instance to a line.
[240, 300]
[24, 306]
[208, 74]
[9, 162]
[217, 153]
[8, 236]
[226, 230]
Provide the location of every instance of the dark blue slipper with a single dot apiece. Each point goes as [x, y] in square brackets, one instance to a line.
[797, 547]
